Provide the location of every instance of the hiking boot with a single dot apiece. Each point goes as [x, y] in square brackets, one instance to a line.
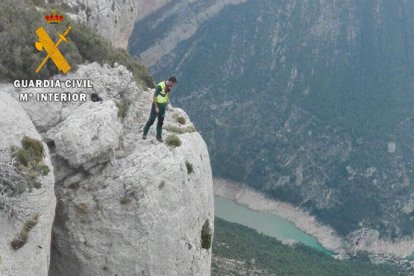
[160, 139]
[144, 136]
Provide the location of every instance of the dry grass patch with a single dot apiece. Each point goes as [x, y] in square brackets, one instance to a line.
[173, 141]
[23, 235]
[181, 120]
[180, 130]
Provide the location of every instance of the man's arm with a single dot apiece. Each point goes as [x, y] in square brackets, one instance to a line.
[156, 92]
[155, 104]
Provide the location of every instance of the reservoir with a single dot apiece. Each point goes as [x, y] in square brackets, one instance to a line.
[265, 223]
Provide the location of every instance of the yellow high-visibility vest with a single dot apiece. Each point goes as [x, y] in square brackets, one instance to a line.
[162, 98]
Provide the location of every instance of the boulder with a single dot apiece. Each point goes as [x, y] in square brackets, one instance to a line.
[89, 135]
[36, 110]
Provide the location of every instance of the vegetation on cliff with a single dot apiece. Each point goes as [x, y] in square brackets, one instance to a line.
[21, 169]
[19, 20]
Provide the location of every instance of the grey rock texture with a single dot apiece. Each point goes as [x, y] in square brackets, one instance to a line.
[115, 20]
[140, 215]
[126, 206]
[89, 135]
[187, 17]
[34, 257]
[36, 110]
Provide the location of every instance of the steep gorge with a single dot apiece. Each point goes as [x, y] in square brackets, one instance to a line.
[307, 101]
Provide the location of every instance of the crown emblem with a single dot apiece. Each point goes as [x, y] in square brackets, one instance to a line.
[54, 18]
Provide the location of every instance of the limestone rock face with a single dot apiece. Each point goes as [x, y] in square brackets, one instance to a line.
[36, 110]
[126, 206]
[34, 256]
[141, 215]
[89, 135]
[115, 20]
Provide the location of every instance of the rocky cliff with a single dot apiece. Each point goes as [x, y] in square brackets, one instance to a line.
[115, 20]
[124, 206]
[26, 213]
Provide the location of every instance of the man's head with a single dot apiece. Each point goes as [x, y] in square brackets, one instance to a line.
[171, 82]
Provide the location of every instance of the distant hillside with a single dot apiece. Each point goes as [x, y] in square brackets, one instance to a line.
[310, 102]
[239, 250]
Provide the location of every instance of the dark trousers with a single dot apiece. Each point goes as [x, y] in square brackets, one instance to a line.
[151, 119]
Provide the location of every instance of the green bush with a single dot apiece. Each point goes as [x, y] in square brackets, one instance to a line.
[180, 120]
[173, 140]
[29, 161]
[206, 235]
[19, 58]
[32, 150]
[189, 167]
[84, 44]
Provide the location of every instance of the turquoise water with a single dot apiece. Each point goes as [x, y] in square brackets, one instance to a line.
[266, 223]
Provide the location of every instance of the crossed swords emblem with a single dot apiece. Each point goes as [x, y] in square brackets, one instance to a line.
[52, 50]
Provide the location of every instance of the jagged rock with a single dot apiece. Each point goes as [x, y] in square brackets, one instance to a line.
[112, 19]
[36, 110]
[115, 84]
[33, 258]
[391, 147]
[115, 20]
[363, 237]
[89, 135]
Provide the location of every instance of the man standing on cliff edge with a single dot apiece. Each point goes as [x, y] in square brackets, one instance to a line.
[159, 104]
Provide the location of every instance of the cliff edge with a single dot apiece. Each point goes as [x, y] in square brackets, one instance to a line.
[125, 206]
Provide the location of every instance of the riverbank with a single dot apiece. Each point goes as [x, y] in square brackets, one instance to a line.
[257, 202]
[364, 241]
[266, 223]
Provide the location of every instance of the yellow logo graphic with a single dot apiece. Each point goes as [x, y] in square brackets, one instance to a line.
[52, 50]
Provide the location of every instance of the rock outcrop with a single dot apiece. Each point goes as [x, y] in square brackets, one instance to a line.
[89, 135]
[139, 215]
[32, 257]
[125, 206]
[115, 20]
[188, 17]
